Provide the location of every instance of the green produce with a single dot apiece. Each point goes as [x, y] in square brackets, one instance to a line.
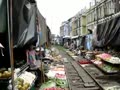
[61, 83]
[109, 68]
[21, 85]
[20, 80]
[48, 84]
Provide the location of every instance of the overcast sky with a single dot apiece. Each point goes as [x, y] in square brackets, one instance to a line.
[57, 11]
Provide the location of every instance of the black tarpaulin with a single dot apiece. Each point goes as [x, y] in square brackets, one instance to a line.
[4, 55]
[24, 20]
[3, 16]
[108, 33]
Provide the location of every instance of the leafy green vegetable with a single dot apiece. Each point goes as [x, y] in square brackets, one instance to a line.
[53, 82]
[61, 83]
[48, 84]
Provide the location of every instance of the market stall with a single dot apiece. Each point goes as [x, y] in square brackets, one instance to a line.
[55, 71]
[18, 32]
[107, 63]
[102, 67]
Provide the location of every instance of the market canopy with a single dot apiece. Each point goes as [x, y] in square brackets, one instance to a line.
[24, 20]
[68, 37]
[108, 33]
[74, 37]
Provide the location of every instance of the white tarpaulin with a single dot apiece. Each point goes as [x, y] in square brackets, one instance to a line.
[1, 46]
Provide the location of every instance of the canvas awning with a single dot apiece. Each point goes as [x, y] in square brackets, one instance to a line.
[74, 37]
[1, 46]
[67, 37]
[24, 22]
[108, 33]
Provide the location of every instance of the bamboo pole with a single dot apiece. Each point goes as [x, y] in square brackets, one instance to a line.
[10, 38]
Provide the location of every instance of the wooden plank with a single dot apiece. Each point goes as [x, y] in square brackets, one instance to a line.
[85, 77]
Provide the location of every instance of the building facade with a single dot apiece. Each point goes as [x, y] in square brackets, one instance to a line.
[102, 11]
[61, 30]
[65, 29]
[76, 25]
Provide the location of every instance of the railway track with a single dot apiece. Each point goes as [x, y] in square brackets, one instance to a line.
[77, 77]
[104, 82]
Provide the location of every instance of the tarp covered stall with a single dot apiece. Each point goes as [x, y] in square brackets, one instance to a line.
[24, 20]
[108, 33]
[24, 28]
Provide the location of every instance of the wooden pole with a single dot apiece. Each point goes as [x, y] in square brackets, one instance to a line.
[10, 38]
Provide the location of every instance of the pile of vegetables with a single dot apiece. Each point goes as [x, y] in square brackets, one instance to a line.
[97, 62]
[109, 68]
[54, 84]
[61, 83]
[48, 84]
[104, 56]
[114, 60]
[60, 76]
[54, 88]
[21, 85]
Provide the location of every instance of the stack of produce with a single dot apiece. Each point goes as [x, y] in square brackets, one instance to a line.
[84, 61]
[57, 78]
[97, 62]
[61, 83]
[24, 81]
[57, 58]
[54, 84]
[114, 60]
[21, 85]
[60, 76]
[5, 74]
[104, 56]
[47, 85]
[54, 88]
[108, 68]
[109, 58]
[27, 77]
[55, 70]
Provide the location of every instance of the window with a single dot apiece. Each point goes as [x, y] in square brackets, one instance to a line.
[102, 11]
